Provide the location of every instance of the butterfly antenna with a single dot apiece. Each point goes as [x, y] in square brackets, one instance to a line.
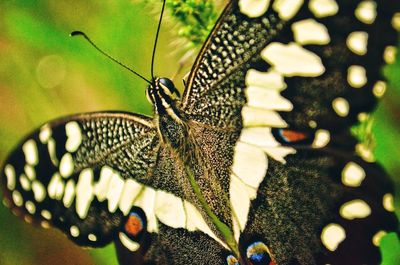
[156, 40]
[82, 34]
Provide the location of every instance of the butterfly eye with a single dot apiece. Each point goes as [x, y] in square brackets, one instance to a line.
[258, 254]
[232, 260]
[169, 87]
[133, 230]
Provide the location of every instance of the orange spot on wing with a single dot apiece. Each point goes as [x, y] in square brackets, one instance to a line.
[134, 225]
[293, 136]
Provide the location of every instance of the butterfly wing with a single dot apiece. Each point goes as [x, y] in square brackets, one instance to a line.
[101, 177]
[77, 173]
[331, 222]
[308, 54]
[293, 76]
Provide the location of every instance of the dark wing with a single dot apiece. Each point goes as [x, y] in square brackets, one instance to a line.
[293, 76]
[78, 173]
[329, 210]
[318, 61]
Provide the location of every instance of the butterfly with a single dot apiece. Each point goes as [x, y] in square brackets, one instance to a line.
[253, 164]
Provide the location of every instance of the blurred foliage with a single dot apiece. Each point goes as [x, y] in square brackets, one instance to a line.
[196, 19]
[45, 74]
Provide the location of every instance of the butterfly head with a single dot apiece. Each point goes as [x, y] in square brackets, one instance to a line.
[161, 88]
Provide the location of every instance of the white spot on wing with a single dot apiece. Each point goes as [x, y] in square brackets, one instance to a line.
[39, 191]
[28, 219]
[129, 193]
[332, 235]
[84, 192]
[31, 152]
[74, 230]
[352, 175]
[267, 99]
[366, 11]
[101, 187]
[388, 202]
[379, 88]
[396, 21]
[261, 117]
[293, 60]
[323, 8]
[322, 138]
[269, 80]
[309, 31]
[287, 9]
[253, 8]
[69, 193]
[17, 198]
[376, 239]
[55, 188]
[249, 164]
[9, 171]
[365, 152]
[46, 214]
[128, 243]
[45, 134]
[240, 202]
[357, 76]
[258, 136]
[195, 221]
[355, 209]
[45, 224]
[341, 106]
[169, 209]
[51, 147]
[25, 183]
[357, 42]
[362, 116]
[263, 92]
[262, 137]
[74, 134]
[30, 172]
[114, 191]
[30, 207]
[92, 237]
[146, 201]
[390, 54]
[66, 165]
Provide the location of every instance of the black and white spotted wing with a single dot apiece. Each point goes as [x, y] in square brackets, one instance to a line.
[294, 76]
[323, 56]
[340, 204]
[263, 126]
[76, 173]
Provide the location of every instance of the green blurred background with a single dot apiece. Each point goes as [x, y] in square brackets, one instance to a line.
[45, 74]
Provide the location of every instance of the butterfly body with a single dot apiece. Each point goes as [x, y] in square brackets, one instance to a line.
[200, 156]
[255, 164]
